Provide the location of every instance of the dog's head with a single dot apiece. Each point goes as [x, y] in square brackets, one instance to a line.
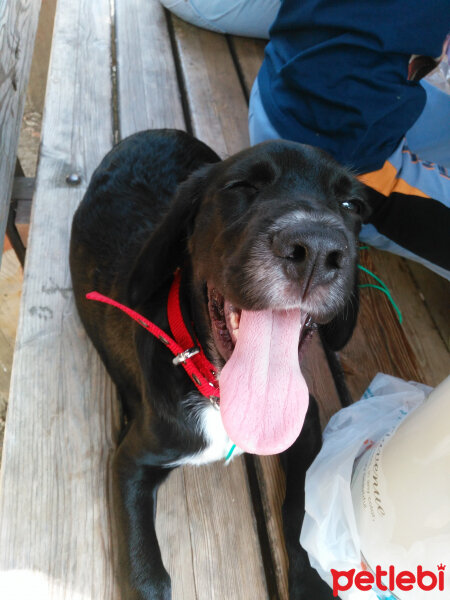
[270, 233]
[274, 226]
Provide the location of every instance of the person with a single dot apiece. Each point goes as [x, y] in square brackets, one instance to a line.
[250, 18]
[335, 75]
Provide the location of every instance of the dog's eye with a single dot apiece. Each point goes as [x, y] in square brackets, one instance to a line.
[233, 185]
[352, 205]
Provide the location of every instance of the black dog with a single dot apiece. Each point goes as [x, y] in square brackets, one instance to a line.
[273, 228]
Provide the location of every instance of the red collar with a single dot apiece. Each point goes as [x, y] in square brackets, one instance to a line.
[187, 353]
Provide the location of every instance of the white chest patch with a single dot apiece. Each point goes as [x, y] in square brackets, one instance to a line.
[219, 444]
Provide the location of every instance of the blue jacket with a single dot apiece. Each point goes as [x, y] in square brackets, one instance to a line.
[335, 73]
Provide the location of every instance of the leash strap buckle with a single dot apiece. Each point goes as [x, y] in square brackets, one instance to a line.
[184, 356]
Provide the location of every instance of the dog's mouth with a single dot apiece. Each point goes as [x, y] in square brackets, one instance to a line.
[263, 395]
[225, 320]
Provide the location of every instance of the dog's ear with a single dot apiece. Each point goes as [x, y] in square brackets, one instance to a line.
[166, 247]
[337, 332]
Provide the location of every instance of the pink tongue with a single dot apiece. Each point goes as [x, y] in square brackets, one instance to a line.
[263, 396]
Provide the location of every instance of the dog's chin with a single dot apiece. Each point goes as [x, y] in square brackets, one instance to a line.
[225, 318]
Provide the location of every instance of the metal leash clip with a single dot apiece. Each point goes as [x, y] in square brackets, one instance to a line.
[183, 356]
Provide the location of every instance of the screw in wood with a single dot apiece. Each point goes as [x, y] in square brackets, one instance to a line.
[73, 179]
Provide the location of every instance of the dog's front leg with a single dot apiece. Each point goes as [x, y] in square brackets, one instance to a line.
[304, 581]
[141, 571]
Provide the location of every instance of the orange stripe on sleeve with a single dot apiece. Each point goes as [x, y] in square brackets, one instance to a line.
[386, 182]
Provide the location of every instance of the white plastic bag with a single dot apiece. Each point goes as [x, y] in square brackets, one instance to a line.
[329, 532]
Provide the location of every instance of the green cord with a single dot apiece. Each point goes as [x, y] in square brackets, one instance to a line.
[374, 276]
[230, 452]
[384, 288]
[378, 287]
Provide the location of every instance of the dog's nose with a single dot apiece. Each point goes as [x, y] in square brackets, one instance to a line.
[313, 252]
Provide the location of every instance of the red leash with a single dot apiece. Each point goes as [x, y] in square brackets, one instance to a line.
[186, 352]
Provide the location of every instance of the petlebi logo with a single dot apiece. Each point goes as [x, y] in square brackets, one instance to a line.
[385, 582]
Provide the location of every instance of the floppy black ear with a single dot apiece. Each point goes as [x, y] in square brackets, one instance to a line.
[337, 332]
[166, 247]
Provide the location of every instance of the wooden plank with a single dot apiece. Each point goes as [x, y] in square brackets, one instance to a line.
[18, 25]
[431, 353]
[412, 351]
[209, 547]
[435, 292]
[41, 55]
[174, 535]
[218, 109]
[62, 417]
[225, 548]
[203, 521]
[149, 96]
[249, 53]
[10, 291]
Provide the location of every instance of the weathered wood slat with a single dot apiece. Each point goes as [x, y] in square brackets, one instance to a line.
[148, 92]
[202, 512]
[224, 541]
[431, 353]
[217, 104]
[10, 291]
[413, 350]
[18, 25]
[435, 292]
[249, 53]
[62, 417]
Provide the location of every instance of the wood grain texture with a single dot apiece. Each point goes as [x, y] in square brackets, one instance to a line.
[430, 351]
[208, 536]
[62, 419]
[10, 291]
[435, 292]
[18, 25]
[220, 509]
[218, 109]
[249, 53]
[149, 96]
[412, 351]
[205, 519]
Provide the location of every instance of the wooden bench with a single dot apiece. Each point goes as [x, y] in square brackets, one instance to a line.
[113, 73]
[18, 27]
